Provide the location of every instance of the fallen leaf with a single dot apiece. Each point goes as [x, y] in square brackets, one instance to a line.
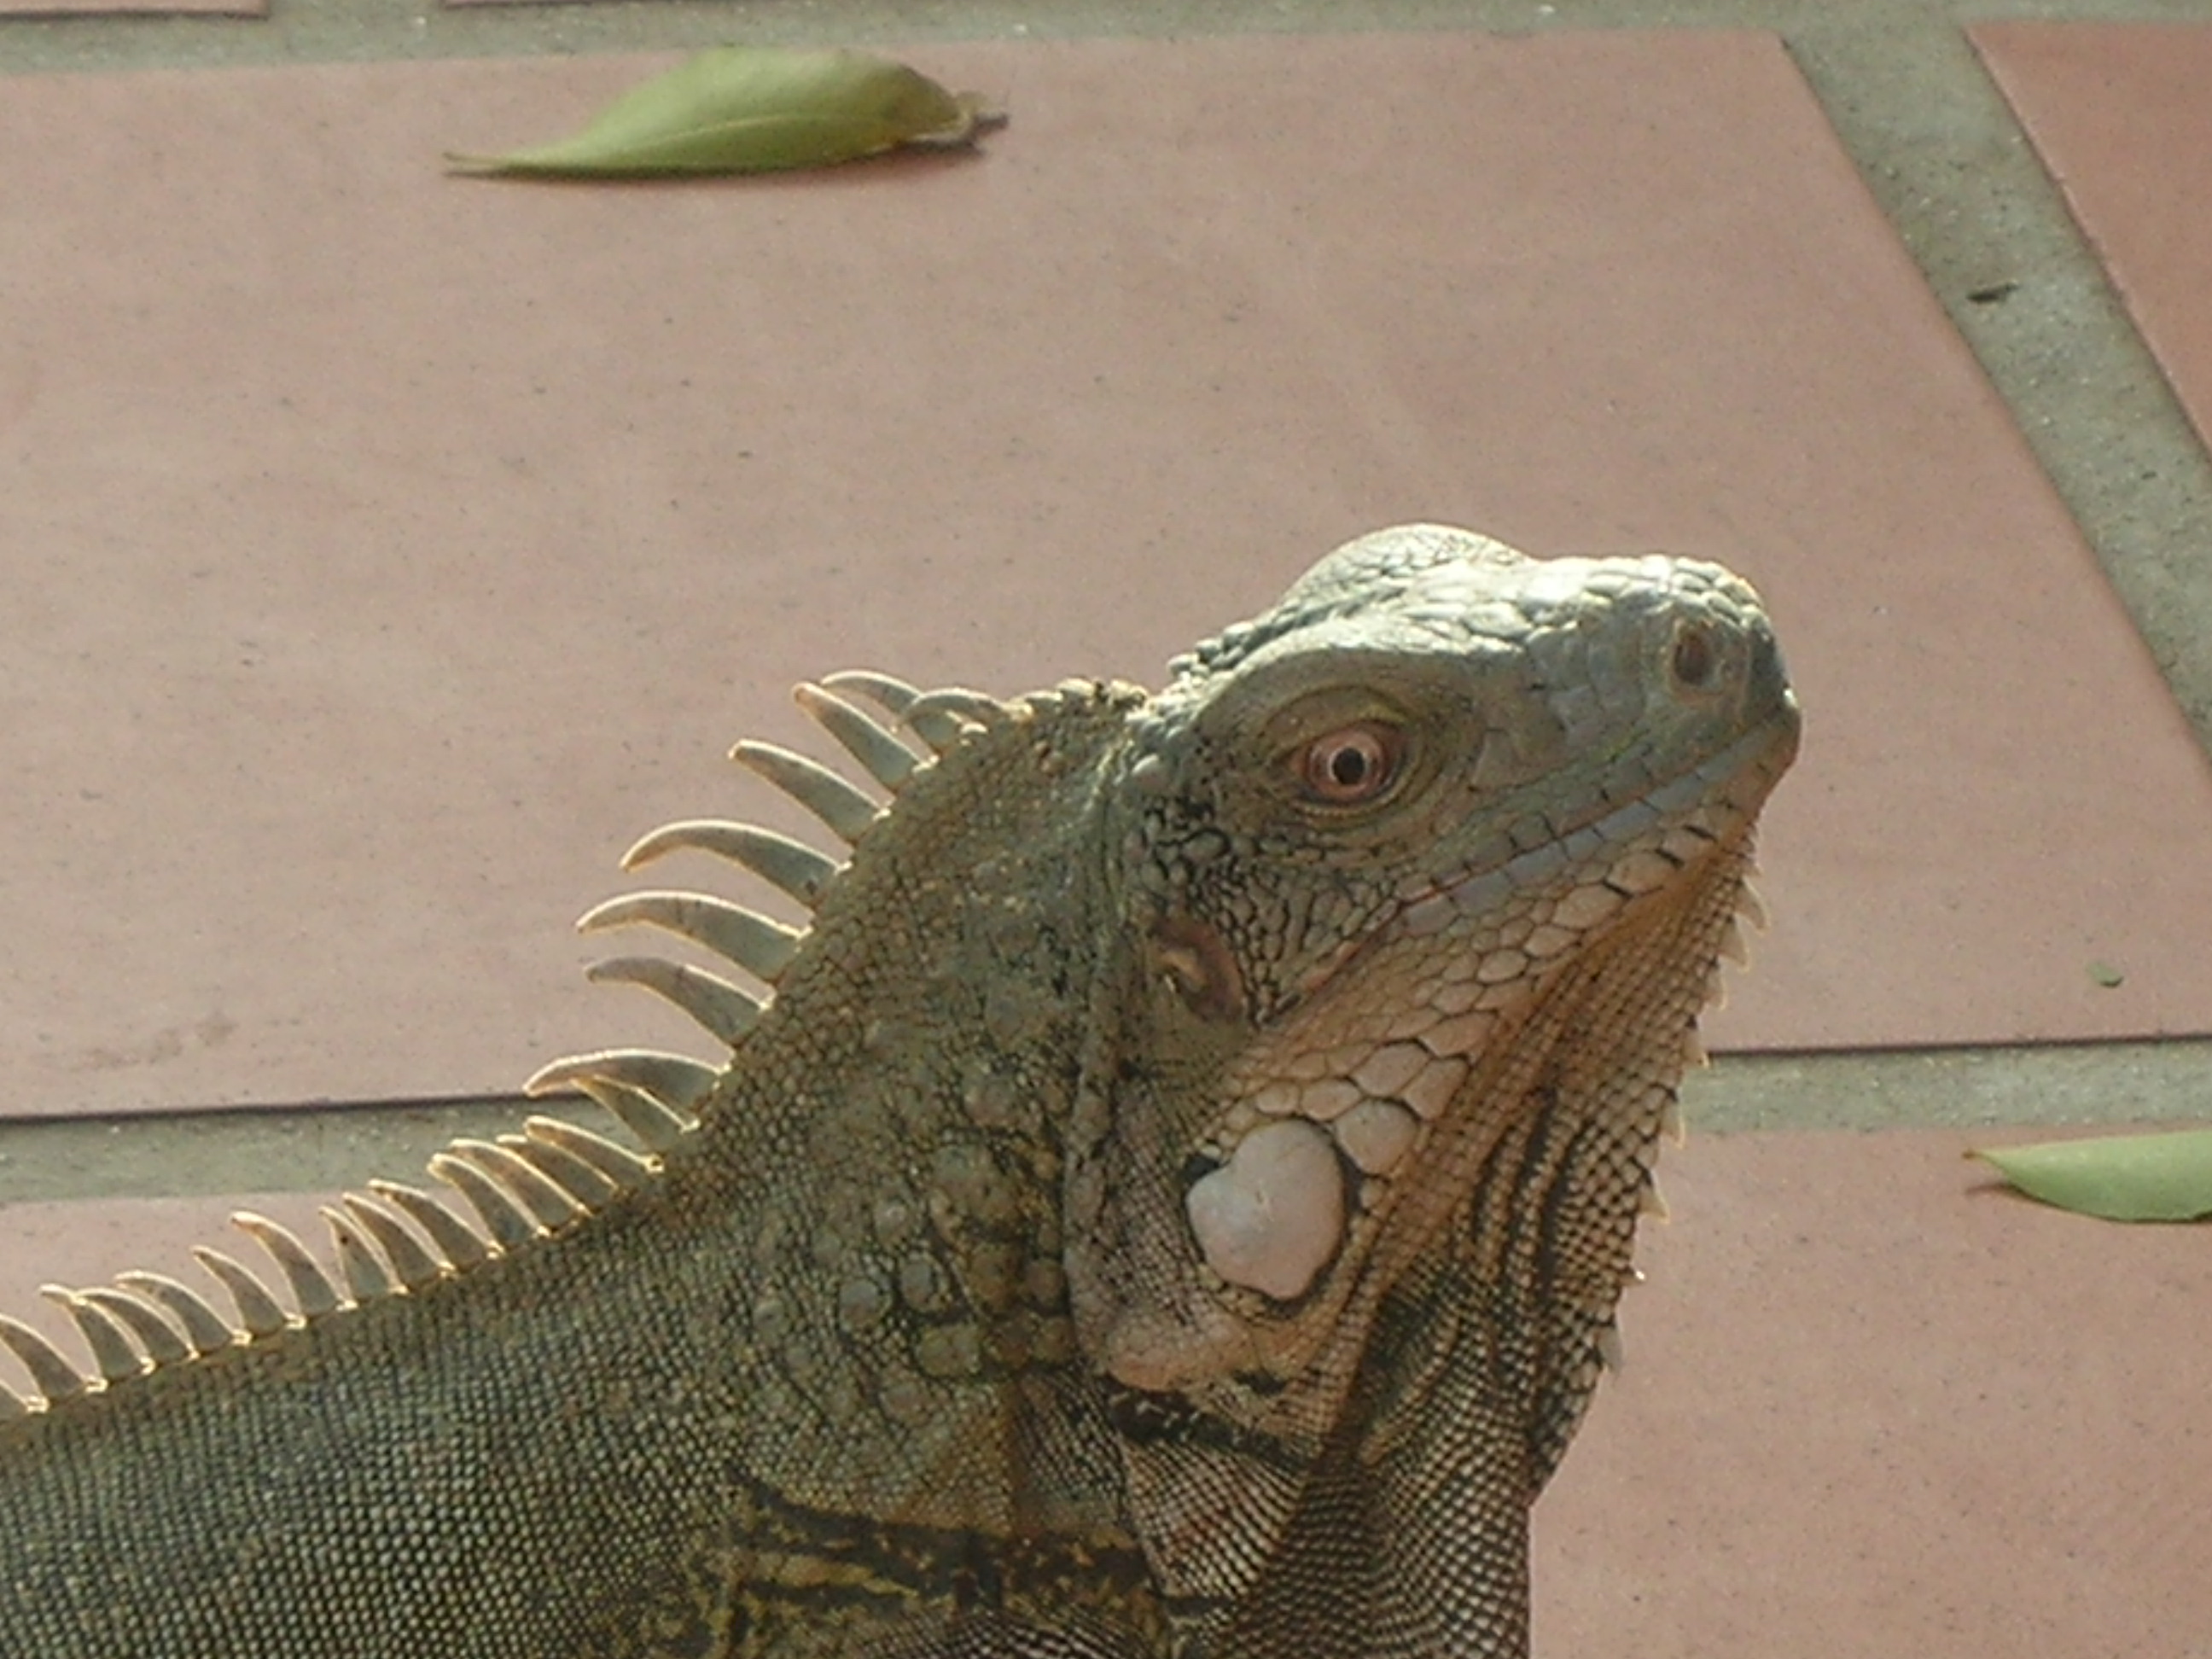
[2164, 1176]
[754, 109]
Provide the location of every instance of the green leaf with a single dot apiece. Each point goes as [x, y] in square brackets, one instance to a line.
[2146, 1178]
[754, 109]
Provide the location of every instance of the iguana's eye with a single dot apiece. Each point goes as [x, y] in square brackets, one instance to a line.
[1351, 764]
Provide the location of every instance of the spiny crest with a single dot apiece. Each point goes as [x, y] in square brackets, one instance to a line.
[388, 1241]
[1750, 910]
[392, 1239]
[746, 938]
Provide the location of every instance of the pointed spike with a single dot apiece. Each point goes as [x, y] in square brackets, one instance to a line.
[449, 1234]
[53, 1374]
[792, 866]
[653, 1123]
[617, 1164]
[941, 729]
[844, 808]
[259, 1314]
[752, 940]
[1732, 946]
[1653, 1202]
[571, 1174]
[727, 1010]
[113, 1355]
[1671, 1121]
[503, 1218]
[946, 719]
[886, 759]
[545, 1201]
[205, 1330]
[887, 691]
[1610, 1353]
[153, 1333]
[365, 1277]
[410, 1263]
[311, 1290]
[1752, 907]
[676, 1081]
[974, 708]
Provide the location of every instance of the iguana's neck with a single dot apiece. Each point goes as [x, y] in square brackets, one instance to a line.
[887, 1152]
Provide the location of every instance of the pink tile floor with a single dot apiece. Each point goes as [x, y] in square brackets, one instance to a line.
[392, 548]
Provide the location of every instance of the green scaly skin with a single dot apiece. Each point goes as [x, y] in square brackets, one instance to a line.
[1008, 1299]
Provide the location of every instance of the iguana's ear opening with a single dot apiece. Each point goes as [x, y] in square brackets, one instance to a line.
[1195, 959]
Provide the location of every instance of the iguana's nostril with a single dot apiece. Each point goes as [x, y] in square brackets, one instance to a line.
[1694, 658]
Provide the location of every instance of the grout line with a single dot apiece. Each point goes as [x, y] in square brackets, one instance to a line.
[307, 31]
[184, 1154]
[2041, 1084]
[202, 1154]
[1930, 134]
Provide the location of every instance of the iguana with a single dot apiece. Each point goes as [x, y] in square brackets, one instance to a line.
[1172, 1201]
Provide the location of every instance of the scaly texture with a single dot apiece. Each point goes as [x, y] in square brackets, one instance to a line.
[1170, 1199]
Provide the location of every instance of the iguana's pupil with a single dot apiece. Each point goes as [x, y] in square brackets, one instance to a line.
[1351, 765]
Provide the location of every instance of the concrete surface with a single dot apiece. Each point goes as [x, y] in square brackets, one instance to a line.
[1936, 145]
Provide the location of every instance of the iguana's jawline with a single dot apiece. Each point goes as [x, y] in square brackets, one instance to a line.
[1758, 758]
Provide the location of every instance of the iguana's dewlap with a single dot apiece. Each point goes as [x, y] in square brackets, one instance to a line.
[1273, 1214]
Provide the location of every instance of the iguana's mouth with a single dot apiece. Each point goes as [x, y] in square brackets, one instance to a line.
[1728, 786]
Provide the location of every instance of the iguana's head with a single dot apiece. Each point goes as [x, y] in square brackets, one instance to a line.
[1449, 837]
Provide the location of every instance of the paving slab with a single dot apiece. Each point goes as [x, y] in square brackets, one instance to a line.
[389, 550]
[1872, 1405]
[2119, 114]
[1875, 1405]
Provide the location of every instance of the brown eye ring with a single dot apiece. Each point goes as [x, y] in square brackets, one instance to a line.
[1351, 764]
